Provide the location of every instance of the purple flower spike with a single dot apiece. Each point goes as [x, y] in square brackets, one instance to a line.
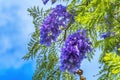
[53, 1]
[45, 1]
[51, 26]
[74, 51]
[105, 35]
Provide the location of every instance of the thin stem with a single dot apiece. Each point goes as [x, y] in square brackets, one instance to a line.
[116, 19]
[67, 28]
[117, 12]
[52, 74]
[67, 76]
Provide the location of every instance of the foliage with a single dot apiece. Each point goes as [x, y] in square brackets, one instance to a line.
[96, 17]
[111, 70]
[34, 46]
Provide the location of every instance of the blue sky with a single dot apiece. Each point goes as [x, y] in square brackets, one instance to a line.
[15, 29]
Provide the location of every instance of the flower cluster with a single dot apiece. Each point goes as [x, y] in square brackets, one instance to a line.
[105, 35]
[51, 26]
[74, 51]
[45, 1]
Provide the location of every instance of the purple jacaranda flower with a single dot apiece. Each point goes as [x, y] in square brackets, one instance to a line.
[45, 1]
[74, 51]
[106, 34]
[53, 1]
[51, 26]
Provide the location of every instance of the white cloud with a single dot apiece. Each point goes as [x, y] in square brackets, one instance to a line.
[25, 27]
[4, 44]
[9, 57]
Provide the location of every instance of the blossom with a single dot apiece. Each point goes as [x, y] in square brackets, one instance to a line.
[105, 35]
[51, 26]
[74, 51]
[45, 1]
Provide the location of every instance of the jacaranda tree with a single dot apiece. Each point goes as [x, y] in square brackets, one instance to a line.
[66, 34]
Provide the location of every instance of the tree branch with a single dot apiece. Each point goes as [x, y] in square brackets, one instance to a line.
[67, 28]
[52, 74]
[116, 19]
[117, 12]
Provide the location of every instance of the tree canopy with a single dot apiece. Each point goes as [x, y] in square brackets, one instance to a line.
[78, 29]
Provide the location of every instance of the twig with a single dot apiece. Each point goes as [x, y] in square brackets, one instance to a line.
[67, 28]
[117, 12]
[52, 74]
[116, 19]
